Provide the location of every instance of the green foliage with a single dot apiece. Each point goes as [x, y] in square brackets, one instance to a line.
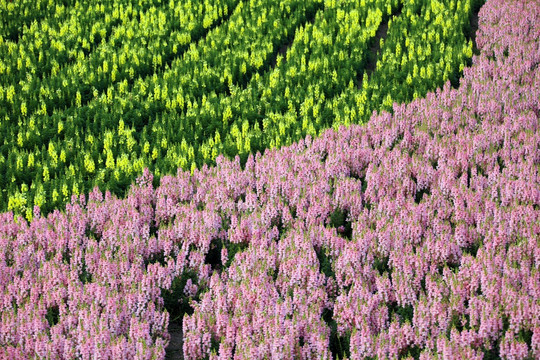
[339, 345]
[176, 302]
[402, 313]
[173, 84]
[325, 266]
[84, 276]
[381, 265]
[52, 315]
[339, 220]
[232, 250]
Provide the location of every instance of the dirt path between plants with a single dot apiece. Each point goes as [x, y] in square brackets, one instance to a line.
[373, 51]
[174, 350]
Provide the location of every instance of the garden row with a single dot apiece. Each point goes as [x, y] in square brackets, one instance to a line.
[241, 78]
[413, 236]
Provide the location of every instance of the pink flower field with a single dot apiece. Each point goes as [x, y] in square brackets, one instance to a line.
[415, 236]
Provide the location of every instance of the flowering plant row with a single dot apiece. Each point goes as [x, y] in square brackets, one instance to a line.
[425, 46]
[71, 53]
[144, 34]
[320, 83]
[243, 43]
[266, 76]
[56, 41]
[414, 236]
[16, 15]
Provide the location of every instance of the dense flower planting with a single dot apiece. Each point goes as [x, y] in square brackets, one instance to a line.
[95, 91]
[414, 236]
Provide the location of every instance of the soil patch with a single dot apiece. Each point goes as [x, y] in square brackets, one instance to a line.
[174, 350]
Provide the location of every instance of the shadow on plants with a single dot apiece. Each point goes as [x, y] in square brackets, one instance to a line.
[472, 249]
[282, 47]
[492, 353]
[156, 258]
[412, 351]
[339, 219]
[403, 313]
[452, 266]
[472, 27]
[419, 195]
[278, 223]
[525, 336]
[381, 265]
[233, 249]
[84, 276]
[53, 315]
[469, 30]
[176, 302]
[375, 46]
[457, 322]
[339, 345]
[213, 257]
[325, 266]
[9, 258]
[214, 347]
[66, 256]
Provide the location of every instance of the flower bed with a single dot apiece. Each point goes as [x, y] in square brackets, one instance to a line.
[415, 235]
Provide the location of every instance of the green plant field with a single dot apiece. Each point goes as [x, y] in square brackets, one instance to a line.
[91, 94]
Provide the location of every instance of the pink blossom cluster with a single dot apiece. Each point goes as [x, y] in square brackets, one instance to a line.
[86, 265]
[414, 236]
